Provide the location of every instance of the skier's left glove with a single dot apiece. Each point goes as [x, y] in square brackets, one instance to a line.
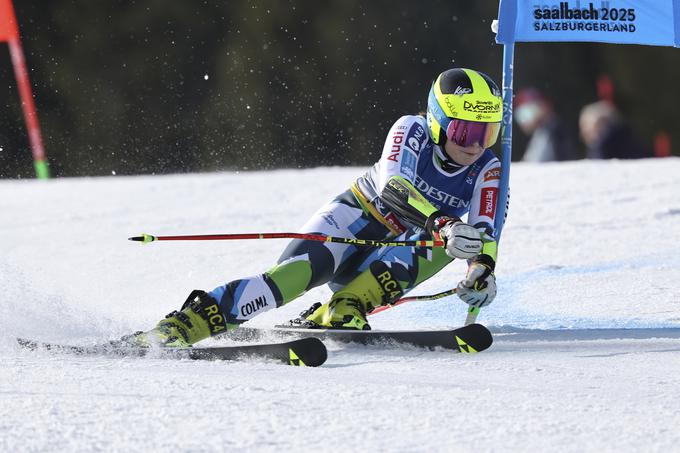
[478, 289]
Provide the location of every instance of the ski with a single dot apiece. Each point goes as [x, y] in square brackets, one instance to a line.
[467, 339]
[300, 352]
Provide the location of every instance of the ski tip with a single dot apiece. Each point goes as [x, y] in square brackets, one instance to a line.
[312, 349]
[483, 333]
[144, 238]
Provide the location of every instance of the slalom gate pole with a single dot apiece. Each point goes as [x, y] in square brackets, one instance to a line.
[9, 31]
[506, 153]
[146, 238]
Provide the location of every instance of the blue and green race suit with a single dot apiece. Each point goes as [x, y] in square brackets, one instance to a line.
[413, 182]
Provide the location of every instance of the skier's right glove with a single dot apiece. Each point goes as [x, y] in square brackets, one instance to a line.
[463, 241]
[478, 289]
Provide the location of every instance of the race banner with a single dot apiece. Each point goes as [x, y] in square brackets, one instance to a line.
[646, 22]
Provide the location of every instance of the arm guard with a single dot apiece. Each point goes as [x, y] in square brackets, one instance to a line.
[405, 201]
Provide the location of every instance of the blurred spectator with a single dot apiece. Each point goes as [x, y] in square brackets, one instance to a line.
[662, 145]
[607, 135]
[549, 139]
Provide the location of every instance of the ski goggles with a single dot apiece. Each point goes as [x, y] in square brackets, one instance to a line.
[467, 133]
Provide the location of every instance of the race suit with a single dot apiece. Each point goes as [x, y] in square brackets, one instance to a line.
[398, 198]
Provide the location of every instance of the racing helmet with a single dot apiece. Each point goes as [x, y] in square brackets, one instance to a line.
[464, 106]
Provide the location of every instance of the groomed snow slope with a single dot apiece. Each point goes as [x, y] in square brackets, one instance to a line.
[588, 246]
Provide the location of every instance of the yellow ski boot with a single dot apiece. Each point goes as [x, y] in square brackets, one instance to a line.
[348, 307]
[199, 318]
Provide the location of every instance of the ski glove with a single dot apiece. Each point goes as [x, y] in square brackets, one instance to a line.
[463, 241]
[478, 289]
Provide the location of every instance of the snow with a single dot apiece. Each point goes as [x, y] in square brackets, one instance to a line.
[589, 245]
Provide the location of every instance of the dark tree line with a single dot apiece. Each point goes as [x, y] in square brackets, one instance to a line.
[152, 86]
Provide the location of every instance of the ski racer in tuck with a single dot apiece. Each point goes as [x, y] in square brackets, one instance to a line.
[431, 173]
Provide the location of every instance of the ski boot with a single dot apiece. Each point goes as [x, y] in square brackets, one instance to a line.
[348, 307]
[200, 317]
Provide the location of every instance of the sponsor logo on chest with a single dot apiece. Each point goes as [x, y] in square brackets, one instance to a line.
[441, 196]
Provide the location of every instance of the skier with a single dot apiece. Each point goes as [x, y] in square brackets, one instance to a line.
[432, 172]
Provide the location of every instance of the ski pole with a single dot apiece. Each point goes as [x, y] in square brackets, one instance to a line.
[403, 300]
[471, 313]
[146, 238]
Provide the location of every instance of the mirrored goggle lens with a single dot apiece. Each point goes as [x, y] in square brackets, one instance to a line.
[467, 133]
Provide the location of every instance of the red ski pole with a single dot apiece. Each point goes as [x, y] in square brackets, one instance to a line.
[472, 312]
[403, 300]
[146, 238]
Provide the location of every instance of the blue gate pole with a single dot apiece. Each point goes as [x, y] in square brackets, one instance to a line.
[506, 138]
